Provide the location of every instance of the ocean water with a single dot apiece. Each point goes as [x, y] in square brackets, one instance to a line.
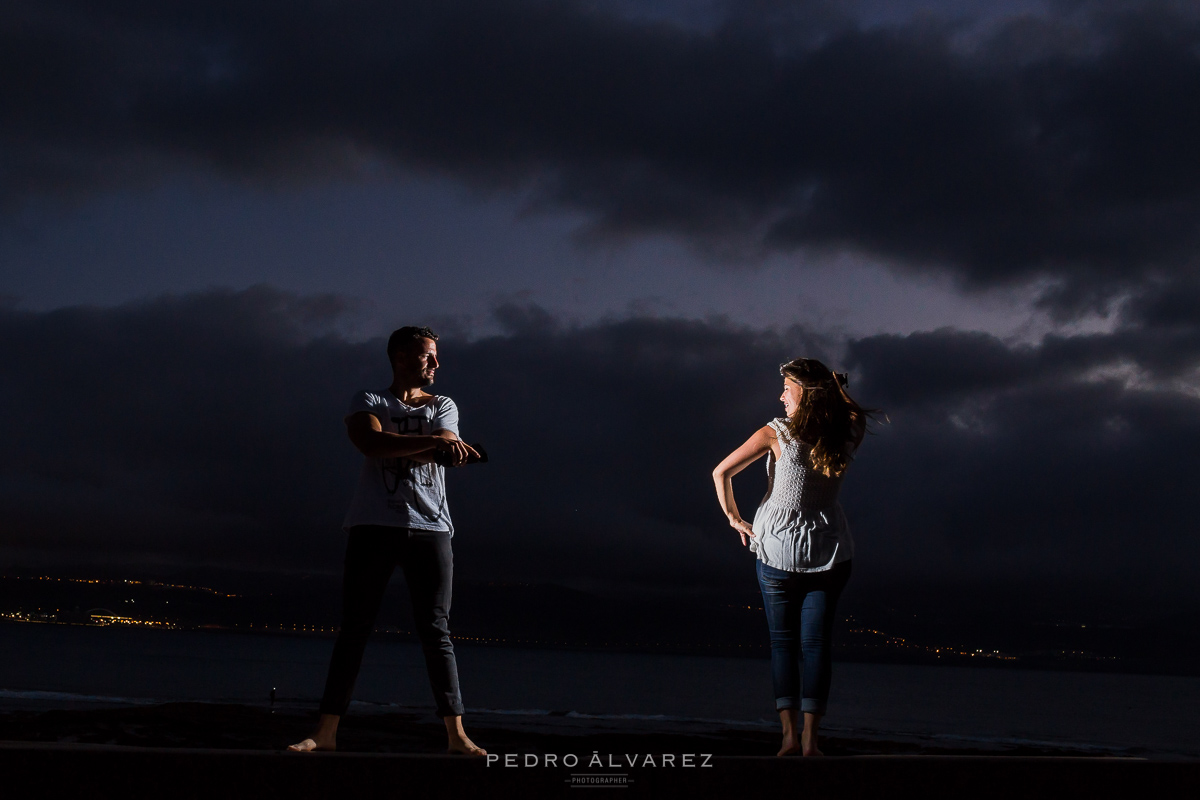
[43, 664]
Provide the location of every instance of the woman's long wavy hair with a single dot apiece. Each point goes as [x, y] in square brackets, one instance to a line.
[827, 417]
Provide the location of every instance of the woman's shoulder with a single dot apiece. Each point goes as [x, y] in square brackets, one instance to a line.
[781, 427]
[782, 430]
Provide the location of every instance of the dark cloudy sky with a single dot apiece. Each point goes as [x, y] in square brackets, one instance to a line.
[623, 216]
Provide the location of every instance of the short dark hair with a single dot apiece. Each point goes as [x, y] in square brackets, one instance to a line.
[406, 337]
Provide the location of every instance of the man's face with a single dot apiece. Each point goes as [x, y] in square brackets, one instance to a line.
[419, 361]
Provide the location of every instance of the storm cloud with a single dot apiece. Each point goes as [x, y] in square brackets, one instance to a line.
[207, 429]
[1057, 149]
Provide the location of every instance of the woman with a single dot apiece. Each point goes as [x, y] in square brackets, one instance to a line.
[800, 534]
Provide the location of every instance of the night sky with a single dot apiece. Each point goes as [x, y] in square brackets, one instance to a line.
[622, 216]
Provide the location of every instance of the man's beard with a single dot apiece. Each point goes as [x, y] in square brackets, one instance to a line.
[426, 380]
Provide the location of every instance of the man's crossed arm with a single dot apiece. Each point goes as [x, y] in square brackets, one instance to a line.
[373, 441]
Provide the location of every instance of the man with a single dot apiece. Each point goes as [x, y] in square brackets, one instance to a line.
[399, 516]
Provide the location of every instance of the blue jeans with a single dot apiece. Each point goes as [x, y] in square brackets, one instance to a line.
[800, 607]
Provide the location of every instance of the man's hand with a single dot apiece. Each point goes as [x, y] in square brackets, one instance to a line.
[460, 451]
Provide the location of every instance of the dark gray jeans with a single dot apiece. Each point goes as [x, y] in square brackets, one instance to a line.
[428, 563]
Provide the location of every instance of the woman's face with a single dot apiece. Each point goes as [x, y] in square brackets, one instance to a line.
[791, 396]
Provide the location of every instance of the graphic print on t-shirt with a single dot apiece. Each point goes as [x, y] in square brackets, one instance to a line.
[403, 492]
[397, 471]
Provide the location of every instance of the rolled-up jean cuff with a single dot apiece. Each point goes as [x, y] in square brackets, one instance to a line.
[785, 702]
[810, 706]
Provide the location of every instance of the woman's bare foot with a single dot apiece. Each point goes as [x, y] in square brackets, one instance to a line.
[324, 738]
[791, 741]
[457, 741]
[808, 739]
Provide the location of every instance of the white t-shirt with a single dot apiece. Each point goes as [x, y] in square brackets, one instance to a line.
[398, 492]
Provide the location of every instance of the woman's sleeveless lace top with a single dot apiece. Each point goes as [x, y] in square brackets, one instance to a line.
[799, 526]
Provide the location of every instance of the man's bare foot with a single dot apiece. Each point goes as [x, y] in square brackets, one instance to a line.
[310, 746]
[324, 738]
[457, 741]
[465, 747]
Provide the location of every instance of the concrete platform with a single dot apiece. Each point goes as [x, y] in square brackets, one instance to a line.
[41, 770]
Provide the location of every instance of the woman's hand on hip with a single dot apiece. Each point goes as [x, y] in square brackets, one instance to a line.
[743, 528]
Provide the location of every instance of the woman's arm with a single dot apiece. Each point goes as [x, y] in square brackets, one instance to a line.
[754, 448]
